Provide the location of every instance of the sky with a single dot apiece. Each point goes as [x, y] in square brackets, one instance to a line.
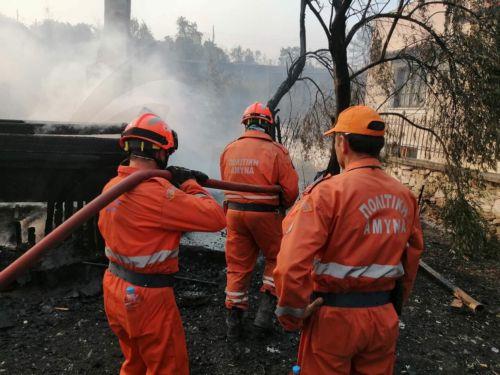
[265, 25]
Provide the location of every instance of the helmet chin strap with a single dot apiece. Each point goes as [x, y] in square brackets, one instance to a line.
[161, 164]
[142, 157]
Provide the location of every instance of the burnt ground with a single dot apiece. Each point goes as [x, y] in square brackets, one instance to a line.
[59, 326]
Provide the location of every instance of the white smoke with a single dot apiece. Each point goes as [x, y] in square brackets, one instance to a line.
[44, 78]
[70, 84]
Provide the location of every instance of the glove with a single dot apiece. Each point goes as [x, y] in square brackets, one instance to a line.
[201, 177]
[180, 175]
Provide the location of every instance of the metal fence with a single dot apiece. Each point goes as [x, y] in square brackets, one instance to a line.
[408, 142]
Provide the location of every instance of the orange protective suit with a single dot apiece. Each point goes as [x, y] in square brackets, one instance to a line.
[142, 231]
[254, 159]
[358, 231]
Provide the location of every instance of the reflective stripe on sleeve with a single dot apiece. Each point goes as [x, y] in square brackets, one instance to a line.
[374, 271]
[143, 261]
[287, 310]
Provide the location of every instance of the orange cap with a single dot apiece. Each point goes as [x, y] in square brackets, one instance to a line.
[359, 119]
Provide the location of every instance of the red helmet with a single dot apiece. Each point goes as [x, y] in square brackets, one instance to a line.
[257, 111]
[150, 128]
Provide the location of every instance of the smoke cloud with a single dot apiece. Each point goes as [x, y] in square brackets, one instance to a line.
[58, 72]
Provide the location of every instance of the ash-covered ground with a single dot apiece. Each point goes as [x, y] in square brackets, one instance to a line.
[57, 324]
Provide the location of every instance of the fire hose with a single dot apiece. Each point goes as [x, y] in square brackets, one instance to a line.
[62, 232]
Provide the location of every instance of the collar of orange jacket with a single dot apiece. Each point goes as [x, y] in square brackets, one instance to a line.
[365, 162]
[256, 134]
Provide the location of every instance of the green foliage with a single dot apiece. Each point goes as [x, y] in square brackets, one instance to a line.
[140, 33]
[57, 33]
[467, 111]
[469, 230]
[467, 117]
[188, 44]
[188, 31]
[240, 55]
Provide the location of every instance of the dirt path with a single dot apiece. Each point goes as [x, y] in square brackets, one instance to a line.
[435, 338]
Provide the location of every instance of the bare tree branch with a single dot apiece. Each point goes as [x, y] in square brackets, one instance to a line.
[399, 56]
[393, 27]
[332, 12]
[447, 3]
[320, 19]
[424, 26]
[368, 5]
[394, 93]
[295, 70]
[317, 88]
[345, 5]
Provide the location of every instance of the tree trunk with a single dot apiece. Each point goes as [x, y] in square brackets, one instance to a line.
[338, 50]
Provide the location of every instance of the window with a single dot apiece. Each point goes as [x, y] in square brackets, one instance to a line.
[410, 88]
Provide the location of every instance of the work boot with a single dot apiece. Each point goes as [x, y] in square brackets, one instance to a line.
[265, 313]
[234, 322]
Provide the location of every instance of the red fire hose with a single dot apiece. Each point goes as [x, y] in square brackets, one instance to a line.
[59, 234]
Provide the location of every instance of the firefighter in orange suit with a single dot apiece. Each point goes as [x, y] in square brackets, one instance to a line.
[254, 220]
[346, 242]
[142, 230]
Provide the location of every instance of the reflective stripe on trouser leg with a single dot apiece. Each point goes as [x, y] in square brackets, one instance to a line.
[237, 299]
[268, 285]
[241, 255]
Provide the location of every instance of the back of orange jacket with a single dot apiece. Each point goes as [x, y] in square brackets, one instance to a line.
[255, 159]
[355, 232]
[143, 227]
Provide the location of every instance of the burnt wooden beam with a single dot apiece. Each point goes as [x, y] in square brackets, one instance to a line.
[18, 236]
[58, 215]
[8, 126]
[31, 236]
[49, 221]
[40, 168]
[68, 209]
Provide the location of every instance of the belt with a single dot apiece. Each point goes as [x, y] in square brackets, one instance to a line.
[354, 299]
[255, 207]
[141, 279]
